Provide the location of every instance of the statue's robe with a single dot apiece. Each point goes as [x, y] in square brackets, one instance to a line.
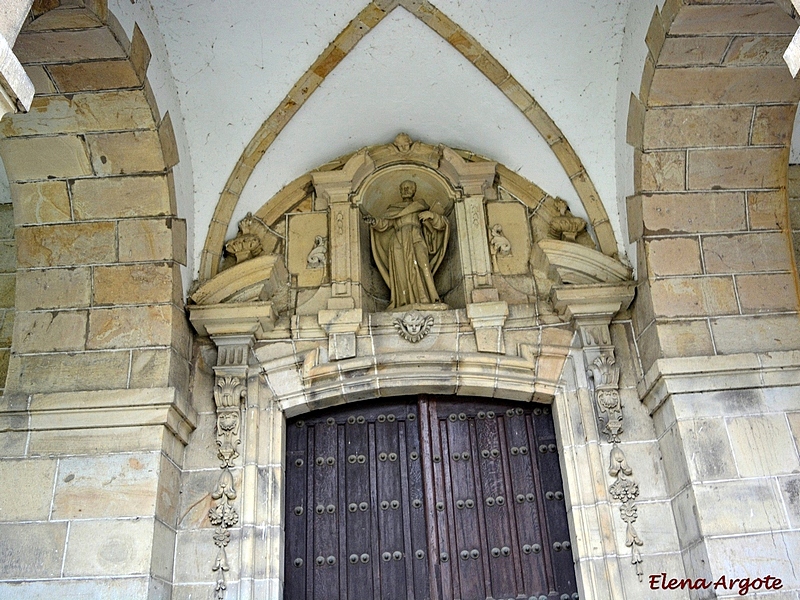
[394, 236]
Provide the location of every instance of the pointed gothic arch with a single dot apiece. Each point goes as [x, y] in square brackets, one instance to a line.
[342, 45]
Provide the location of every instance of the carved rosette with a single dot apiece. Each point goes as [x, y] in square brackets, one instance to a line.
[605, 373]
[229, 391]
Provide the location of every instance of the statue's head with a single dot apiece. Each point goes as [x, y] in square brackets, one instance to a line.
[407, 189]
[561, 206]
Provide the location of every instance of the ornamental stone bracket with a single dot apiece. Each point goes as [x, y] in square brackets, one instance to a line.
[487, 319]
[590, 308]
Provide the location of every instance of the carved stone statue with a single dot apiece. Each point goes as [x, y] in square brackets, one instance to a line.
[408, 243]
[566, 226]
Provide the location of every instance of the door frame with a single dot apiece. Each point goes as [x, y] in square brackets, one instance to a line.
[277, 389]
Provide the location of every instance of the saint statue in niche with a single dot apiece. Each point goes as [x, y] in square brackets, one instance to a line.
[408, 243]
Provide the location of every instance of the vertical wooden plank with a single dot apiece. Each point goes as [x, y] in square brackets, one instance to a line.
[434, 548]
[296, 514]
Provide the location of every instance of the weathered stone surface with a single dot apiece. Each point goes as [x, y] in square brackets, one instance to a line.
[685, 51]
[94, 76]
[710, 85]
[755, 50]
[42, 158]
[673, 256]
[767, 210]
[53, 288]
[152, 239]
[752, 168]
[66, 245]
[49, 331]
[772, 124]
[41, 202]
[27, 490]
[54, 372]
[707, 448]
[662, 171]
[133, 284]
[67, 46]
[152, 368]
[684, 338]
[746, 252]
[41, 554]
[694, 296]
[766, 293]
[106, 486]
[125, 153]
[685, 127]
[303, 231]
[101, 588]
[99, 441]
[756, 333]
[41, 82]
[82, 113]
[8, 256]
[75, 18]
[129, 327]
[728, 18]
[763, 445]
[114, 197]
[741, 506]
[109, 547]
[693, 212]
[7, 289]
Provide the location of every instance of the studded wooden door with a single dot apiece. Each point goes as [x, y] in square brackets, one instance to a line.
[426, 499]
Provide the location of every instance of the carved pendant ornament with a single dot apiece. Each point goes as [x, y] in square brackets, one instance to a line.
[624, 489]
[229, 392]
[413, 326]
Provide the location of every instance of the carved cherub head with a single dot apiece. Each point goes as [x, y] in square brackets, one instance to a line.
[403, 142]
[561, 206]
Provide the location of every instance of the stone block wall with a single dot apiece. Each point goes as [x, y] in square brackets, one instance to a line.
[709, 219]
[96, 410]
[716, 316]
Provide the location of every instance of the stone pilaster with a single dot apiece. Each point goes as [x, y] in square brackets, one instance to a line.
[591, 308]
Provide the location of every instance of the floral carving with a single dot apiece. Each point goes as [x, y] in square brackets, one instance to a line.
[222, 516]
[626, 491]
[605, 374]
[319, 253]
[229, 392]
[413, 326]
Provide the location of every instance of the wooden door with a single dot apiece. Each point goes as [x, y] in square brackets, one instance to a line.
[426, 498]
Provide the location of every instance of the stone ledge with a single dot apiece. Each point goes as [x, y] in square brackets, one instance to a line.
[16, 88]
[108, 408]
[670, 376]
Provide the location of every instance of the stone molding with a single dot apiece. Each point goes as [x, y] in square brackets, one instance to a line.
[109, 408]
[698, 374]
